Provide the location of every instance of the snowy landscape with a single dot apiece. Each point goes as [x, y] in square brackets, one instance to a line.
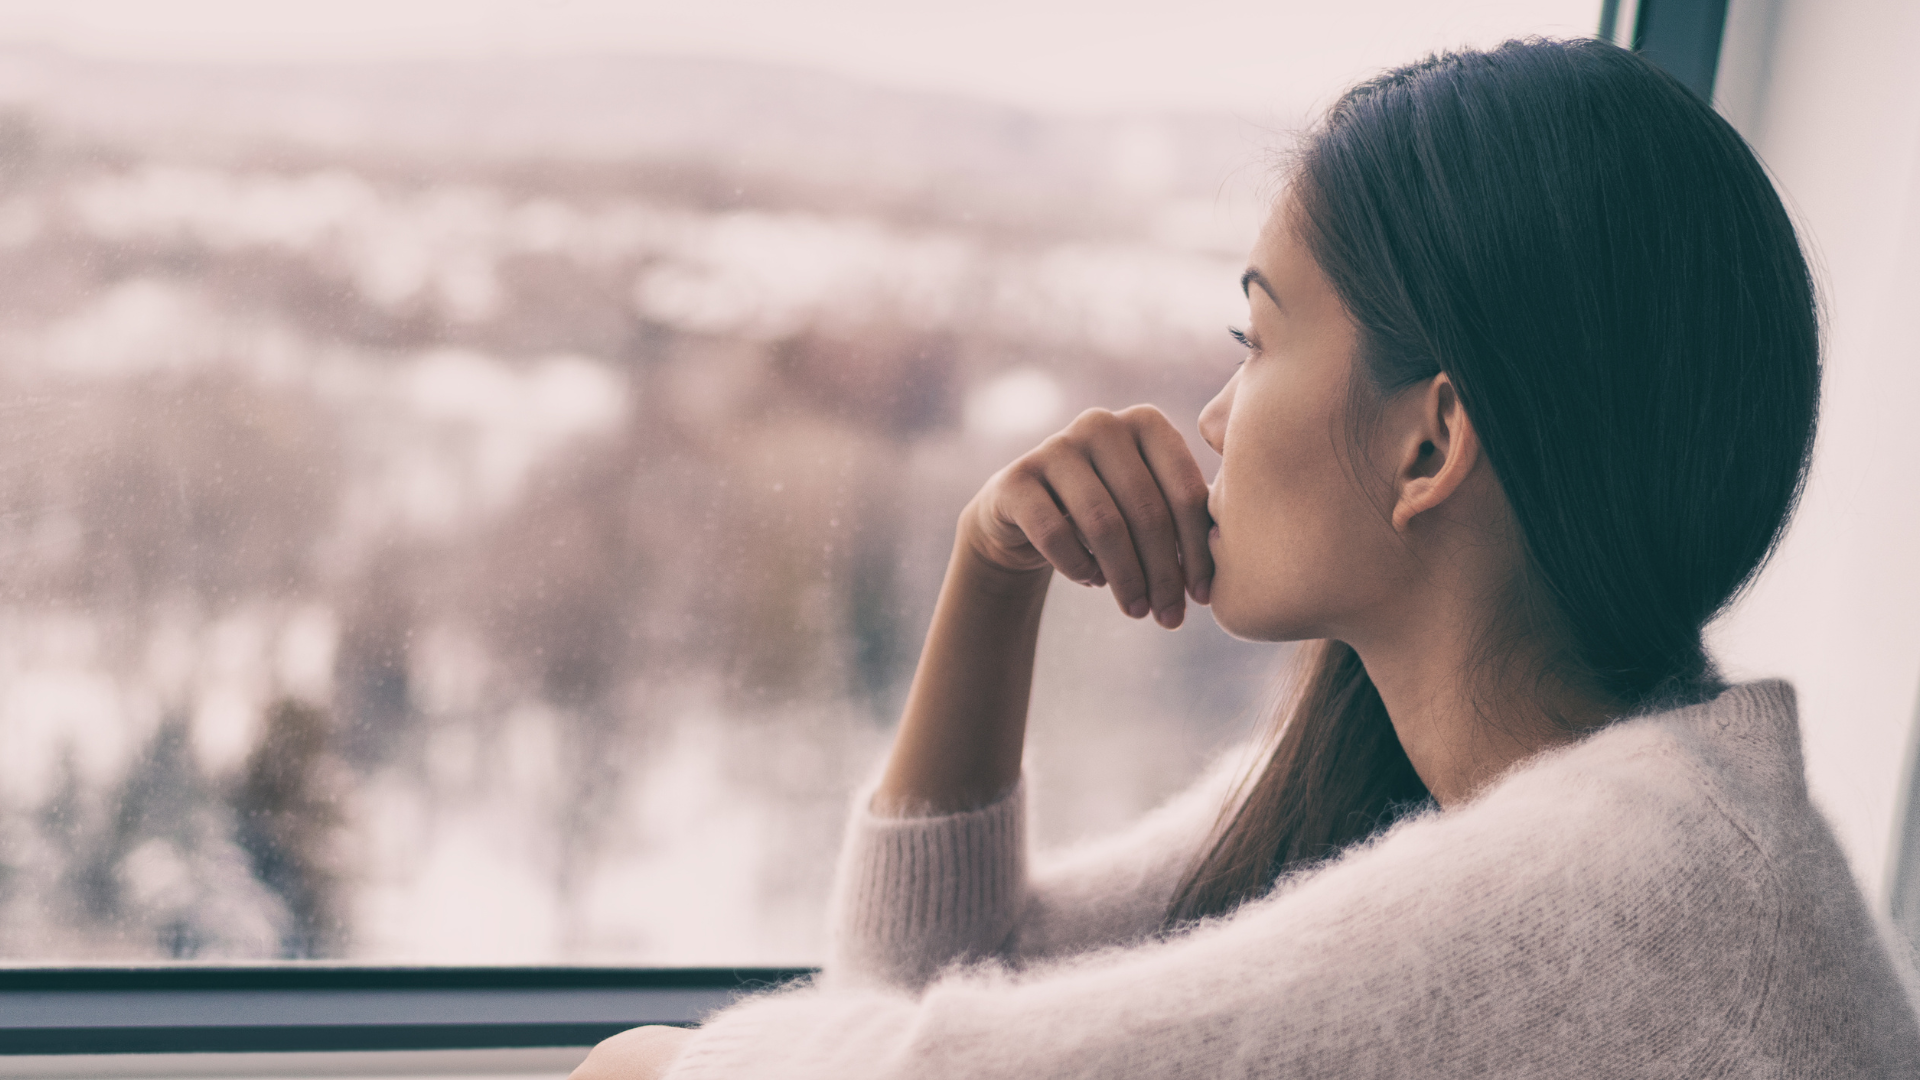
[487, 512]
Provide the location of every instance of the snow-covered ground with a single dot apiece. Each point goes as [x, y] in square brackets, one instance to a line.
[489, 564]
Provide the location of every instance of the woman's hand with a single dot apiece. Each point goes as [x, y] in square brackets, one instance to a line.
[1116, 499]
[642, 1053]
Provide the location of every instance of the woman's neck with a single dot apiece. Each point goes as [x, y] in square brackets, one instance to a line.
[1463, 721]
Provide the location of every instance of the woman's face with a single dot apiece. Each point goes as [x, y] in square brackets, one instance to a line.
[1302, 543]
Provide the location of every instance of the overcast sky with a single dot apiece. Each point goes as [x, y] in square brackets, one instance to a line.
[1052, 54]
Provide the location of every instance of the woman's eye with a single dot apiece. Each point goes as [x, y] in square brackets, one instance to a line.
[1240, 336]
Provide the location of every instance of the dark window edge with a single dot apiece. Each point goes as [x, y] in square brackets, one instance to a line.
[1682, 36]
[192, 1008]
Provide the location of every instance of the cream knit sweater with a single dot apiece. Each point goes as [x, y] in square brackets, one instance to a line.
[1657, 900]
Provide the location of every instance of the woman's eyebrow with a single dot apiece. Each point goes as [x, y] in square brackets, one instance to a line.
[1255, 277]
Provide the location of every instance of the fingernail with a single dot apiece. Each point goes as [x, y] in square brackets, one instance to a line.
[1203, 592]
[1139, 608]
[1169, 618]
[1098, 580]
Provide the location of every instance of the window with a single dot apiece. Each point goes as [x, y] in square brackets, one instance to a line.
[472, 486]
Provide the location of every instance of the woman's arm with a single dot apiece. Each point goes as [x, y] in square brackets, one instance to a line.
[960, 739]
[913, 895]
[934, 866]
[1545, 932]
[1116, 499]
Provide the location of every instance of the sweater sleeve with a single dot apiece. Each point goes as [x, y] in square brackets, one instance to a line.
[914, 895]
[1497, 939]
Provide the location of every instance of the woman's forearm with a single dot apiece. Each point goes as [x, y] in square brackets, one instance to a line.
[960, 738]
[1114, 500]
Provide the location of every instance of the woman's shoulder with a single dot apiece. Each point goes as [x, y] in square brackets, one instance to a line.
[1689, 824]
[1668, 869]
[1683, 813]
[1735, 757]
[1587, 883]
[1702, 814]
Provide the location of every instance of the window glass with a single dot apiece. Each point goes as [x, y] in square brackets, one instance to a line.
[474, 477]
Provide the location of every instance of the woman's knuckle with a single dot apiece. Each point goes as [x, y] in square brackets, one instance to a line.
[1093, 423]
[1051, 534]
[1067, 442]
[1100, 521]
[1150, 511]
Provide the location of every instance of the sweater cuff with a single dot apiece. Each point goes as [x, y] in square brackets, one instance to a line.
[913, 895]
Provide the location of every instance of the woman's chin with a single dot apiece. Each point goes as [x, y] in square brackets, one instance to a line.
[1252, 621]
[1233, 618]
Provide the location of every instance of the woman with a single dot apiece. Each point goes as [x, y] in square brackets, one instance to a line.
[1532, 370]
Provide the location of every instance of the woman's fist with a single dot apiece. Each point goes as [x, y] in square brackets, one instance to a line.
[1115, 499]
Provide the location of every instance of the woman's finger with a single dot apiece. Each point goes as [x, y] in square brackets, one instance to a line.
[1102, 527]
[1150, 523]
[1030, 504]
[1179, 479]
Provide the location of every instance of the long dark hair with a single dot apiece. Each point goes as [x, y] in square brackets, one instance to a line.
[1600, 264]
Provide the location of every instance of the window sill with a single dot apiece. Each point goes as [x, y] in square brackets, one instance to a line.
[195, 1009]
[542, 1063]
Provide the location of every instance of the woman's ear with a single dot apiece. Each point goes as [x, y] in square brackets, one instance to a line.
[1439, 451]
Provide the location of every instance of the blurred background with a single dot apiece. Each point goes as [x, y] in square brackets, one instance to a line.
[473, 476]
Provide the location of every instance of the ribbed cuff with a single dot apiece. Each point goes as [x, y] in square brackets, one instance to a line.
[915, 894]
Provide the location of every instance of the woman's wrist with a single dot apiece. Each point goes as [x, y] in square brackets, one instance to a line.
[974, 572]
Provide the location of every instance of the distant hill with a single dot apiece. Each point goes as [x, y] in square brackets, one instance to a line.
[756, 119]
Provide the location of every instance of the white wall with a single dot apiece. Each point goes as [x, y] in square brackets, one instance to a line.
[1826, 91]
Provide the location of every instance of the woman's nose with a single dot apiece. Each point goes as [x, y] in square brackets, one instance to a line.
[1213, 418]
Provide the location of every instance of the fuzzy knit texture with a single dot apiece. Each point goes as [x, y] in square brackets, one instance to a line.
[1659, 899]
